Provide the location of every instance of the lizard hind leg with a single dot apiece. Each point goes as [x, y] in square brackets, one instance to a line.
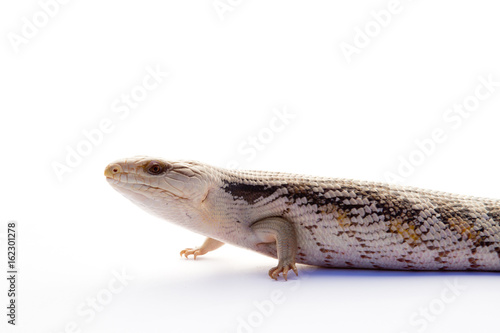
[282, 232]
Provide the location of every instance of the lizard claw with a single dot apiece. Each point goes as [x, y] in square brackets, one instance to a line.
[281, 268]
[189, 251]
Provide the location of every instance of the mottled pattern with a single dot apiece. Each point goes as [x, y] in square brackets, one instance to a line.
[347, 223]
[339, 222]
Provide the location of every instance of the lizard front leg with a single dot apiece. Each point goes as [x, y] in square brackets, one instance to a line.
[210, 244]
[279, 230]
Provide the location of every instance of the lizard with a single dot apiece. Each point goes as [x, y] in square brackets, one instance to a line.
[328, 222]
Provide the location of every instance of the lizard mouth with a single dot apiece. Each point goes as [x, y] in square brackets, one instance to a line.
[143, 190]
[138, 197]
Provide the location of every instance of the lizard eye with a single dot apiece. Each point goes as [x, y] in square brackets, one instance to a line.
[155, 168]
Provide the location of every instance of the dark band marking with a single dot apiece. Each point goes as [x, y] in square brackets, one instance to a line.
[249, 193]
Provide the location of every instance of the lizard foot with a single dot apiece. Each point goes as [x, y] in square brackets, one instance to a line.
[281, 268]
[189, 251]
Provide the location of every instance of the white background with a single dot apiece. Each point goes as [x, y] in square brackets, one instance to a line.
[352, 119]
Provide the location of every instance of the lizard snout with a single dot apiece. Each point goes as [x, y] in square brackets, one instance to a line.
[112, 170]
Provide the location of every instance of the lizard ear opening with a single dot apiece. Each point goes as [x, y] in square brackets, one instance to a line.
[205, 196]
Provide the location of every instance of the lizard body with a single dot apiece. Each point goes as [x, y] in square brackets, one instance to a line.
[316, 220]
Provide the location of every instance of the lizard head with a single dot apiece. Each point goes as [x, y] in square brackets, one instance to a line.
[165, 188]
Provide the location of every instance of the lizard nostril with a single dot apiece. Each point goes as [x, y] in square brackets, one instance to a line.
[115, 168]
[112, 170]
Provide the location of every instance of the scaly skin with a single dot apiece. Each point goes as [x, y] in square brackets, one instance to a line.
[317, 221]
